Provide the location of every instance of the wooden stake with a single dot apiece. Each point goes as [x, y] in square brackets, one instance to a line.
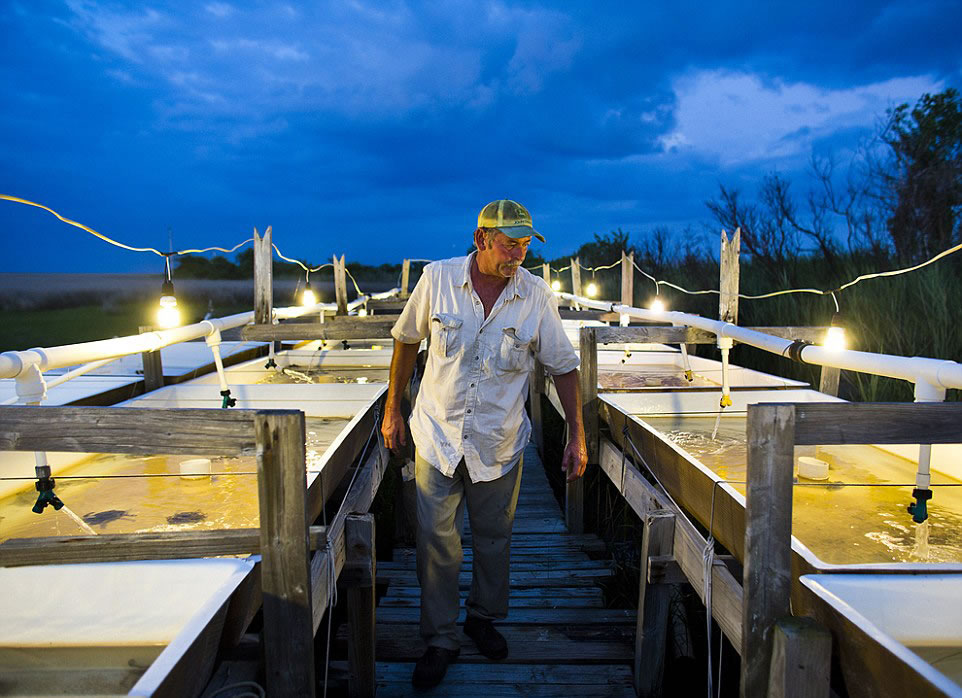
[263, 277]
[285, 571]
[405, 277]
[340, 285]
[768, 533]
[359, 574]
[153, 366]
[575, 276]
[546, 273]
[828, 380]
[627, 278]
[728, 277]
[536, 387]
[651, 629]
[588, 378]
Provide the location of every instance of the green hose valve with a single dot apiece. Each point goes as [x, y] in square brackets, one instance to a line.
[45, 487]
[918, 509]
[228, 400]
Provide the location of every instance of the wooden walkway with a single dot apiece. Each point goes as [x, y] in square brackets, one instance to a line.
[561, 639]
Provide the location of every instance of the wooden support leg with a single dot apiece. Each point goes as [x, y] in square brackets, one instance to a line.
[652, 623]
[768, 538]
[153, 367]
[285, 565]
[359, 574]
[801, 659]
[828, 380]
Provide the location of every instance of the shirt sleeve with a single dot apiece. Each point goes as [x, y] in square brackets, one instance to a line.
[554, 348]
[414, 323]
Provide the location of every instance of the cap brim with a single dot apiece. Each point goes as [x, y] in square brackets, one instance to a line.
[521, 231]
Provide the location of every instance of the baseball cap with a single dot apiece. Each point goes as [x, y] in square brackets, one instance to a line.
[510, 217]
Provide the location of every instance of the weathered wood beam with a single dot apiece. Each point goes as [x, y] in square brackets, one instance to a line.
[768, 538]
[801, 659]
[405, 277]
[153, 366]
[263, 277]
[825, 423]
[627, 278]
[340, 285]
[828, 380]
[652, 623]
[201, 432]
[285, 568]
[119, 547]
[359, 574]
[666, 334]
[728, 277]
[342, 327]
[575, 277]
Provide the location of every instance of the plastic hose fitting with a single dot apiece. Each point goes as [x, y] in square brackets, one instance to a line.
[918, 509]
[228, 400]
[45, 487]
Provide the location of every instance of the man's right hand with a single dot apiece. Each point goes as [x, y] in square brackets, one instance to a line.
[392, 429]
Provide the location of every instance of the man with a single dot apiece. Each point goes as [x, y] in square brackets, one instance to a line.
[488, 318]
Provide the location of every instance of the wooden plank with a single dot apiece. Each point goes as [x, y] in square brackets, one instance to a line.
[828, 380]
[627, 278]
[359, 568]
[878, 423]
[542, 600]
[575, 277]
[532, 565]
[519, 675]
[405, 277]
[667, 334]
[546, 273]
[529, 616]
[651, 630]
[588, 379]
[536, 385]
[285, 573]
[728, 277]
[530, 578]
[801, 659]
[768, 531]
[159, 545]
[263, 277]
[370, 327]
[340, 285]
[201, 432]
[526, 644]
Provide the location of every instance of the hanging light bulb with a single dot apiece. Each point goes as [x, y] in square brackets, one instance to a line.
[835, 339]
[657, 305]
[168, 314]
[591, 290]
[308, 297]
[556, 285]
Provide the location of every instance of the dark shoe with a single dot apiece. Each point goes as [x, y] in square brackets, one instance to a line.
[490, 642]
[431, 667]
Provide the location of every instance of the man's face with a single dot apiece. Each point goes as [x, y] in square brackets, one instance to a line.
[503, 255]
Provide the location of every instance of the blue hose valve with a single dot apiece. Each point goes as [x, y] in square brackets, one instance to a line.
[45, 487]
[918, 509]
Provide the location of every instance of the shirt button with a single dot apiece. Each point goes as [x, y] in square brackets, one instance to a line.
[477, 358]
[472, 385]
[469, 411]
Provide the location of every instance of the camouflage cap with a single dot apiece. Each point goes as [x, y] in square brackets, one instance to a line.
[510, 217]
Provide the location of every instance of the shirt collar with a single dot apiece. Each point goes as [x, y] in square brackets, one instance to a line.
[515, 286]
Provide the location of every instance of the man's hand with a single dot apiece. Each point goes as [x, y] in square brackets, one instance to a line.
[575, 459]
[392, 429]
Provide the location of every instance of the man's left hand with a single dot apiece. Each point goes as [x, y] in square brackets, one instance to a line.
[575, 459]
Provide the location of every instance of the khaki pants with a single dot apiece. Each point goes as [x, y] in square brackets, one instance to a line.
[491, 508]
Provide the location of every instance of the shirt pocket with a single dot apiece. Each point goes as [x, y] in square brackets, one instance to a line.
[514, 354]
[445, 334]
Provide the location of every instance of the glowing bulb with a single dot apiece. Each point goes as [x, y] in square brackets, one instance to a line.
[168, 315]
[362, 312]
[591, 290]
[556, 285]
[308, 297]
[835, 339]
[657, 306]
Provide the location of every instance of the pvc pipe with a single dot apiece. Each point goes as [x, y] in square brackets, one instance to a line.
[938, 373]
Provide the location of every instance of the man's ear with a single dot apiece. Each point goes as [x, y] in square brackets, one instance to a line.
[479, 240]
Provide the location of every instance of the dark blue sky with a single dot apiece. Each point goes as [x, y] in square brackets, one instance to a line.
[379, 129]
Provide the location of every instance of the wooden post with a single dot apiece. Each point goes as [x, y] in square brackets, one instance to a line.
[575, 277]
[359, 574]
[768, 533]
[536, 388]
[828, 380]
[728, 277]
[405, 277]
[263, 277]
[588, 378]
[285, 554]
[153, 366]
[340, 285]
[627, 278]
[801, 659]
[651, 627]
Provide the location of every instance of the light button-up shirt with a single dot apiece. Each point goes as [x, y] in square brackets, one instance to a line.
[471, 399]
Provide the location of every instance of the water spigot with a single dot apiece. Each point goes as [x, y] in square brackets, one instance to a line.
[689, 376]
[726, 401]
[270, 363]
[45, 485]
[918, 509]
[228, 400]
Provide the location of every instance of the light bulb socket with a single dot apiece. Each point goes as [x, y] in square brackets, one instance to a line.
[836, 320]
[167, 289]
